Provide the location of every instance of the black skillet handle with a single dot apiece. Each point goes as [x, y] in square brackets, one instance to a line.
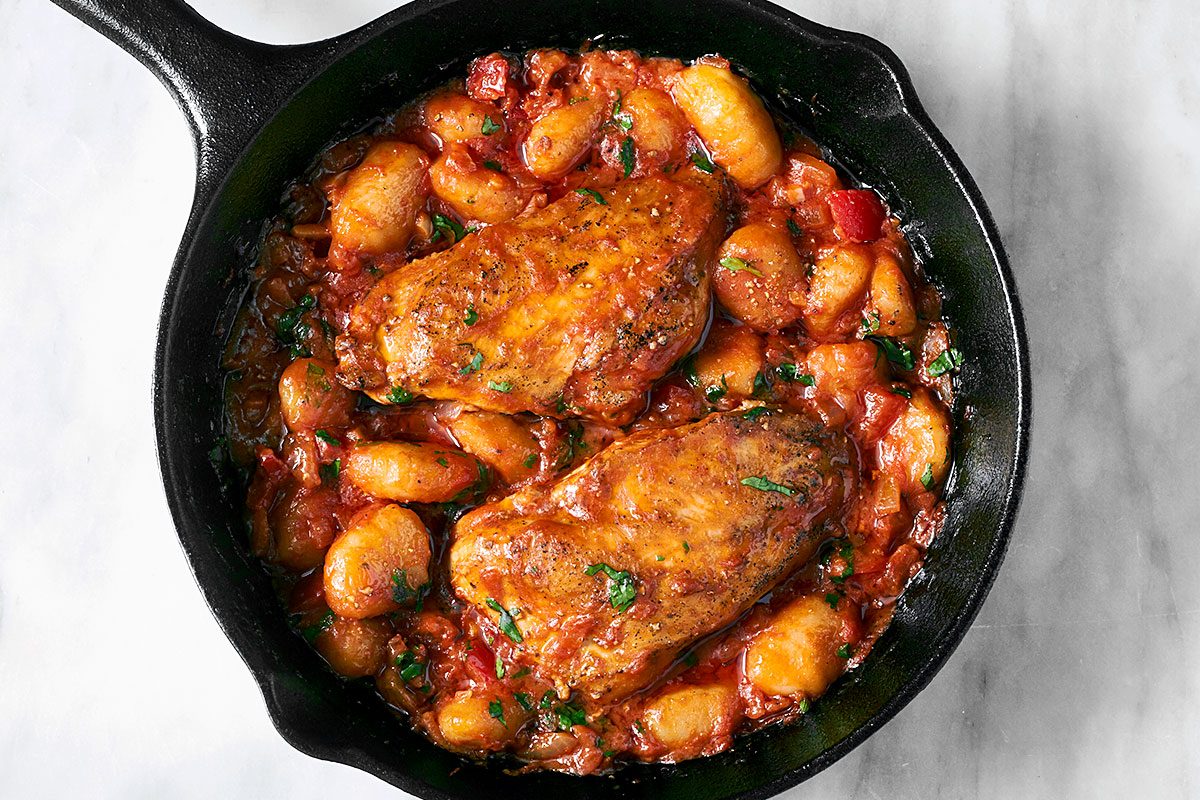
[228, 86]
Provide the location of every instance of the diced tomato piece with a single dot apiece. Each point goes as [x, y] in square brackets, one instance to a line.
[858, 213]
[488, 78]
[881, 406]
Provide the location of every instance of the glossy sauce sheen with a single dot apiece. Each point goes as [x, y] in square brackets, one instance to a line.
[588, 412]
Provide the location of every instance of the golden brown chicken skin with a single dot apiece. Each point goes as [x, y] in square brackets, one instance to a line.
[574, 310]
[661, 539]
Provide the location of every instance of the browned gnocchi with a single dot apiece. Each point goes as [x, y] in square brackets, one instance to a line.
[796, 296]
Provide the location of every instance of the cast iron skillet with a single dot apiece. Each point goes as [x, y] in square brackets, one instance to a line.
[259, 113]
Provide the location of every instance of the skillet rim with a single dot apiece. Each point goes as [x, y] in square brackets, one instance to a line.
[208, 190]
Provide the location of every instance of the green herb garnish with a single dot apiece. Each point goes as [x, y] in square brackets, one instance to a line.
[927, 477]
[327, 437]
[399, 395]
[530, 460]
[832, 598]
[791, 373]
[568, 715]
[447, 227]
[523, 700]
[489, 127]
[844, 651]
[329, 472]
[948, 361]
[474, 365]
[628, 155]
[738, 265]
[496, 711]
[755, 413]
[896, 352]
[900, 390]
[408, 665]
[702, 163]
[794, 228]
[494, 166]
[288, 320]
[508, 625]
[592, 193]
[767, 485]
[622, 590]
[500, 386]
[471, 316]
[311, 632]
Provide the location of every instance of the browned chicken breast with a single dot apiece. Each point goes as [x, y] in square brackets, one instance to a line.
[570, 311]
[660, 539]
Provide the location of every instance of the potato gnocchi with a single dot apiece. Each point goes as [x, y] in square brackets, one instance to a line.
[817, 307]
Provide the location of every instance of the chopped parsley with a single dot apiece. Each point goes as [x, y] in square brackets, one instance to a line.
[791, 373]
[762, 387]
[496, 711]
[547, 699]
[767, 485]
[471, 317]
[442, 460]
[500, 386]
[523, 700]
[687, 548]
[592, 193]
[311, 632]
[739, 265]
[508, 625]
[530, 460]
[489, 127]
[573, 445]
[289, 320]
[870, 323]
[622, 590]
[329, 472]
[327, 437]
[896, 352]
[803, 706]
[499, 667]
[409, 667]
[521, 673]
[927, 477]
[845, 551]
[844, 651]
[402, 591]
[832, 598]
[399, 395]
[628, 155]
[494, 166]
[948, 361]
[714, 393]
[474, 365]
[900, 390]
[794, 228]
[755, 413]
[702, 163]
[568, 715]
[448, 227]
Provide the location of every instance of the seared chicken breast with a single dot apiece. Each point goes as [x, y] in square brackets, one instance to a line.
[574, 310]
[660, 539]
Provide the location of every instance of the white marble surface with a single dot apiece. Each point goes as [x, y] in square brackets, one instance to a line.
[1081, 677]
